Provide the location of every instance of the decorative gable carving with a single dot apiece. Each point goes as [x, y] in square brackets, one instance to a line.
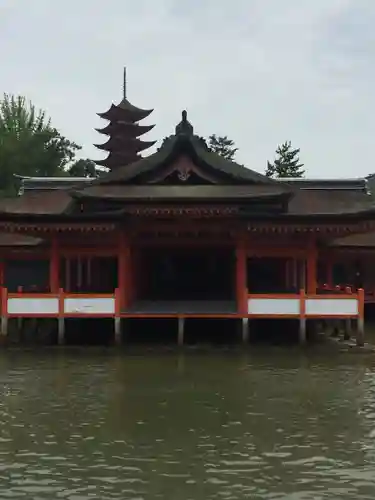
[182, 171]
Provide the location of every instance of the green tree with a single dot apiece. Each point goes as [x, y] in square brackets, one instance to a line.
[29, 145]
[85, 167]
[287, 162]
[222, 146]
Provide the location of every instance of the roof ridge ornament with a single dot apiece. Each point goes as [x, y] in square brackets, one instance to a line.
[184, 127]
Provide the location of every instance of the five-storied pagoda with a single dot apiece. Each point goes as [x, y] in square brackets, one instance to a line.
[124, 146]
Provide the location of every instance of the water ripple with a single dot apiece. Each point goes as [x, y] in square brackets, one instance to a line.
[82, 426]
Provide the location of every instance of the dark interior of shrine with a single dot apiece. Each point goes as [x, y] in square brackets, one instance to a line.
[187, 274]
[267, 275]
[30, 274]
[88, 274]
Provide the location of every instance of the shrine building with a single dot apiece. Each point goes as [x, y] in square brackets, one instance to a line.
[184, 234]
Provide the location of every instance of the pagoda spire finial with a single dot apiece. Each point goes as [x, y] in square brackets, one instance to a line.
[124, 83]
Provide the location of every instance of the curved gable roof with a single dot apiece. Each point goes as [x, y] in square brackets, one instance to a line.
[185, 142]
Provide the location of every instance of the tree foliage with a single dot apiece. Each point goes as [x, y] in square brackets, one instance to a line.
[85, 167]
[29, 145]
[287, 162]
[222, 146]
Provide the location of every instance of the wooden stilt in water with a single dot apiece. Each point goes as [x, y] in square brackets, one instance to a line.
[360, 337]
[302, 318]
[4, 317]
[335, 328]
[245, 330]
[4, 326]
[348, 329]
[61, 319]
[181, 331]
[302, 331]
[61, 330]
[117, 327]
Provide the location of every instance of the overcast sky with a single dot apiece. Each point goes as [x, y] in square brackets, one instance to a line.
[259, 71]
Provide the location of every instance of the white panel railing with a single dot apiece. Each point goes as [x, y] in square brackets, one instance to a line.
[274, 306]
[59, 304]
[89, 305]
[302, 305]
[25, 306]
[332, 306]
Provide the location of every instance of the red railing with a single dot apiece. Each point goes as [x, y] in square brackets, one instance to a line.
[117, 310]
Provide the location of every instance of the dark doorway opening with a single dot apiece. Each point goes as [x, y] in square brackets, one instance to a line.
[267, 275]
[187, 274]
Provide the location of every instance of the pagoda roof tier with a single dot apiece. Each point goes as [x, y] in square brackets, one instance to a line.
[125, 112]
[125, 128]
[130, 145]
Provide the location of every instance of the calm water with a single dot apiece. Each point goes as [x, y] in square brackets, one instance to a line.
[273, 425]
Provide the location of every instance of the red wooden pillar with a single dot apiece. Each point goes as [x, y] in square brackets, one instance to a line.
[312, 257]
[241, 277]
[330, 273]
[68, 273]
[54, 265]
[287, 273]
[123, 270]
[295, 274]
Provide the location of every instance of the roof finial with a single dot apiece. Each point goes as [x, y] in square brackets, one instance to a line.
[184, 127]
[124, 84]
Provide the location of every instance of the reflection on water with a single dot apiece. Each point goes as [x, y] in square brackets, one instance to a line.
[271, 424]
